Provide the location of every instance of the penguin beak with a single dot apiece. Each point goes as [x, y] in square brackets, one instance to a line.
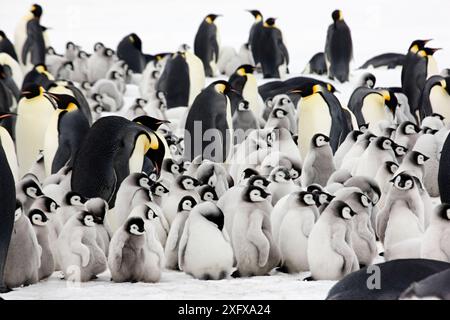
[7, 115]
[51, 95]
[295, 91]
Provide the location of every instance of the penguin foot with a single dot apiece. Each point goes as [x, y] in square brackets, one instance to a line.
[236, 274]
[310, 278]
[283, 269]
[361, 266]
[5, 289]
[381, 254]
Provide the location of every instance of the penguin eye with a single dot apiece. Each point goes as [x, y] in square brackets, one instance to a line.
[31, 192]
[386, 144]
[241, 106]
[400, 151]
[255, 193]
[323, 198]
[75, 200]
[175, 168]
[89, 220]
[346, 213]
[420, 159]
[208, 196]
[187, 204]
[408, 184]
[365, 201]
[448, 214]
[371, 139]
[53, 207]
[159, 190]
[294, 173]
[308, 199]
[37, 218]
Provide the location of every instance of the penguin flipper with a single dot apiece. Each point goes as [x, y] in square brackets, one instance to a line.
[340, 246]
[381, 223]
[256, 236]
[183, 245]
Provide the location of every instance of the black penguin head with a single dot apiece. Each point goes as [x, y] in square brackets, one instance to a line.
[428, 130]
[322, 198]
[36, 10]
[31, 91]
[369, 80]
[243, 106]
[248, 173]
[150, 122]
[403, 181]
[342, 210]
[31, 188]
[319, 140]
[171, 166]
[221, 86]
[108, 52]
[337, 15]
[428, 52]
[418, 158]
[82, 55]
[443, 211]
[210, 18]
[2, 34]
[47, 204]
[255, 194]
[64, 101]
[437, 115]
[390, 99]
[310, 88]
[135, 41]
[244, 70]
[98, 207]
[408, 128]
[37, 217]
[208, 193]
[306, 198]
[186, 203]
[391, 166]
[142, 180]
[187, 182]
[280, 175]
[355, 134]
[399, 150]
[256, 14]
[270, 22]
[135, 226]
[150, 214]
[212, 213]
[86, 219]
[158, 189]
[418, 45]
[73, 198]
[314, 188]
[384, 143]
[70, 45]
[259, 181]
[279, 113]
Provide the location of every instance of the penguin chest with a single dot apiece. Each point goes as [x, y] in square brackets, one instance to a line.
[250, 93]
[403, 225]
[136, 160]
[440, 102]
[313, 117]
[432, 68]
[373, 108]
[7, 144]
[51, 143]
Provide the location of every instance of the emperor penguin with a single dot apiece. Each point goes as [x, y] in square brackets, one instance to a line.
[20, 34]
[243, 118]
[34, 113]
[244, 82]
[406, 134]
[428, 145]
[99, 208]
[206, 44]
[435, 97]
[273, 54]
[113, 148]
[294, 230]
[255, 34]
[345, 147]
[319, 111]
[99, 62]
[281, 184]
[129, 50]
[9, 149]
[27, 190]
[7, 213]
[6, 46]
[39, 221]
[185, 206]
[209, 118]
[330, 252]
[433, 287]
[435, 243]
[316, 65]
[389, 60]
[24, 254]
[33, 48]
[204, 250]
[338, 48]
[400, 224]
[378, 152]
[80, 256]
[255, 249]
[319, 162]
[131, 257]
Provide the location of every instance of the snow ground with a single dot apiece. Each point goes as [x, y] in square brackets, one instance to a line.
[378, 27]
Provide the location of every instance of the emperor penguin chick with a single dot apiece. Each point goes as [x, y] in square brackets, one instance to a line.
[436, 240]
[99, 207]
[205, 251]
[152, 214]
[24, 254]
[80, 256]
[330, 253]
[281, 184]
[131, 259]
[39, 221]
[378, 152]
[319, 163]
[173, 239]
[27, 190]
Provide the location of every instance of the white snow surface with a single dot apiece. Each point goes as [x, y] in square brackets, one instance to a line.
[377, 27]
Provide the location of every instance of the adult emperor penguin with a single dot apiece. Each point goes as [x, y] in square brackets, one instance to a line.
[319, 162]
[338, 48]
[80, 256]
[113, 148]
[273, 55]
[435, 98]
[131, 259]
[319, 111]
[65, 132]
[444, 173]
[7, 209]
[7, 143]
[255, 249]
[129, 50]
[33, 51]
[34, 111]
[244, 82]
[435, 244]
[433, 287]
[205, 251]
[206, 44]
[209, 118]
[6, 46]
[316, 65]
[330, 254]
[389, 60]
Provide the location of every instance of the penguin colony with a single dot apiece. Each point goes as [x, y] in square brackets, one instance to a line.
[229, 179]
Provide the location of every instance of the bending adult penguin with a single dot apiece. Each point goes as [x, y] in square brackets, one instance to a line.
[113, 148]
[389, 60]
[129, 50]
[273, 55]
[34, 111]
[244, 82]
[338, 48]
[209, 118]
[433, 287]
[316, 65]
[435, 98]
[206, 44]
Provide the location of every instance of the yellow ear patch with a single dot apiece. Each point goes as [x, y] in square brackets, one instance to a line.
[316, 88]
[443, 83]
[220, 87]
[40, 69]
[241, 72]
[414, 48]
[422, 53]
[208, 20]
[41, 90]
[341, 17]
[71, 107]
[329, 87]
[386, 95]
[153, 143]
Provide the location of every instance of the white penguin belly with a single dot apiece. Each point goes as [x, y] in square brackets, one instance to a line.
[8, 147]
[373, 108]
[431, 247]
[440, 102]
[432, 68]
[196, 76]
[51, 143]
[314, 117]
[250, 93]
[402, 225]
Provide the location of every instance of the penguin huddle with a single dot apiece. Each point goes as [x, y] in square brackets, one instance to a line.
[219, 178]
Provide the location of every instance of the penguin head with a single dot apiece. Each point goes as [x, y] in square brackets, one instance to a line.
[172, 166]
[37, 217]
[319, 140]
[187, 182]
[390, 100]
[336, 15]
[64, 101]
[384, 143]
[99, 46]
[403, 181]
[244, 70]
[210, 18]
[208, 193]
[443, 211]
[314, 188]
[108, 52]
[70, 45]
[243, 106]
[280, 175]
[98, 208]
[310, 88]
[270, 22]
[36, 10]
[135, 41]
[86, 219]
[391, 166]
[408, 128]
[399, 150]
[428, 52]
[73, 198]
[135, 226]
[256, 14]
[363, 199]
[31, 188]
[19, 210]
[418, 158]
[364, 127]
[369, 80]
[212, 213]
[259, 181]
[45, 204]
[116, 75]
[150, 214]
[158, 189]
[255, 194]
[221, 86]
[82, 55]
[321, 197]
[150, 122]
[418, 45]
[142, 180]
[279, 113]
[343, 210]
[428, 130]
[31, 91]
[306, 198]
[295, 172]
[186, 203]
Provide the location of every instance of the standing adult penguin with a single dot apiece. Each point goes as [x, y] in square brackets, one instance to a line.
[411, 57]
[273, 54]
[6, 46]
[129, 50]
[209, 118]
[113, 148]
[255, 33]
[338, 48]
[33, 50]
[206, 44]
[34, 111]
[244, 82]
[435, 97]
